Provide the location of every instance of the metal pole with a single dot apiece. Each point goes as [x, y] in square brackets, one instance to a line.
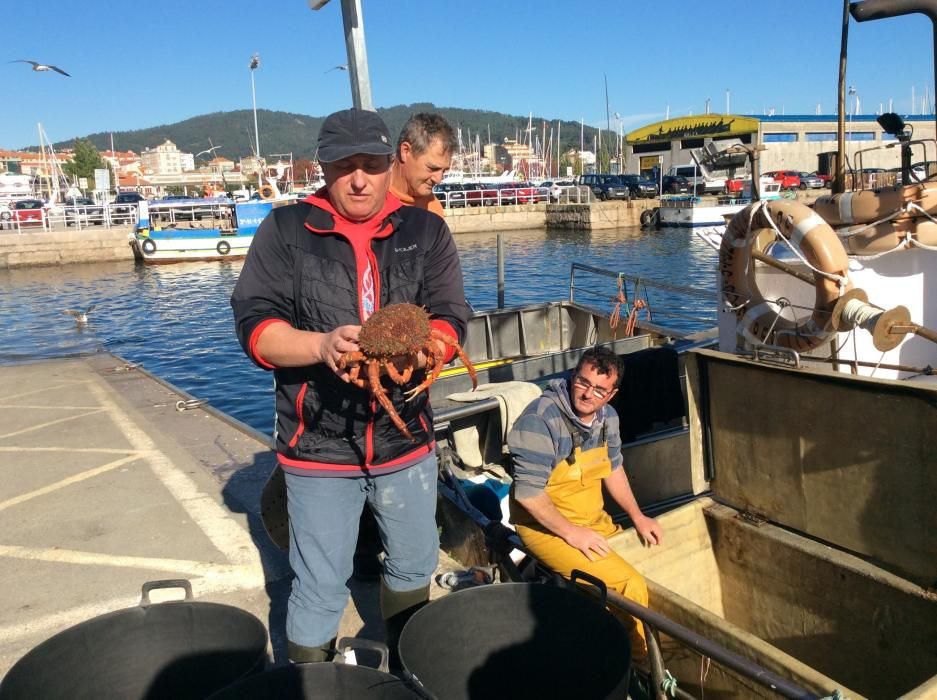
[500, 270]
[357, 55]
[879, 9]
[255, 62]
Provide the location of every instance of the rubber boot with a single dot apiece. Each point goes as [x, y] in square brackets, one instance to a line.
[396, 608]
[309, 655]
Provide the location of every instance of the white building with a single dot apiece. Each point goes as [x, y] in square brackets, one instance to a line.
[792, 142]
[167, 159]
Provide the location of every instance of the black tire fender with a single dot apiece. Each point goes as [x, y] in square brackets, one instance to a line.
[223, 247]
[148, 246]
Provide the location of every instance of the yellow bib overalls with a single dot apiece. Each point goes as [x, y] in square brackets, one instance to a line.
[575, 487]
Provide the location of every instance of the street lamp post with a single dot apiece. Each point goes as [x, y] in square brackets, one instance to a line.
[254, 64]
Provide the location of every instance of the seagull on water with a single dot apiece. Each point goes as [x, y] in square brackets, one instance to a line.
[344, 66]
[42, 66]
[81, 317]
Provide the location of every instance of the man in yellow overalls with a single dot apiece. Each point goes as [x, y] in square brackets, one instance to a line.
[564, 446]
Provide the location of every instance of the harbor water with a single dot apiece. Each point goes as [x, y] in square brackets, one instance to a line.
[176, 321]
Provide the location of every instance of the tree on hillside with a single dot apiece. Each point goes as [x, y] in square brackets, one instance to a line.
[84, 160]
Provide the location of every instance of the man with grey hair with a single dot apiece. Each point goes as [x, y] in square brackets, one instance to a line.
[423, 155]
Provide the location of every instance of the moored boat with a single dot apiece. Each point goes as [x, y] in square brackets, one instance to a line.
[197, 229]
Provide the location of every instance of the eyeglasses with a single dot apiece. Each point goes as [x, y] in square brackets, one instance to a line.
[597, 391]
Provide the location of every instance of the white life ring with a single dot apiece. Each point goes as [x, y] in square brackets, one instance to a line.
[757, 317]
[866, 206]
[223, 247]
[267, 192]
[148, 246]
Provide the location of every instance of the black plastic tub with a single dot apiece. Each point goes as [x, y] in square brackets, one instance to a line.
[517, 640]
[322, 681]
[180, 650]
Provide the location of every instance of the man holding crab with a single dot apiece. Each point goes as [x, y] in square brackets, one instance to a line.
[316, 271]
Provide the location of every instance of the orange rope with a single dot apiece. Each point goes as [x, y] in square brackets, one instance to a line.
[616, 312]
[633, 316]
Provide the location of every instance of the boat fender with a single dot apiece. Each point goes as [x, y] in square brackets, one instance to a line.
[223, 247]
[866, 206]
[754, 228]
[148, 246]
[267, 192]
[888, 236]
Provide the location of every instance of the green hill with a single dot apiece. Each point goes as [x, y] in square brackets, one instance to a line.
[284, 132]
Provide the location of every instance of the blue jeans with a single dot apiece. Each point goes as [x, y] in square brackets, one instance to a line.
[324, 514]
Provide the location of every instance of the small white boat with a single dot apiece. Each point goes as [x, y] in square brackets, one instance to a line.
[196, 229]
[689, 210]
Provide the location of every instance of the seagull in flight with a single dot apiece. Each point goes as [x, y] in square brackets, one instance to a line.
[209, 151]
[42, 67]
[81, 317]
[344, 66]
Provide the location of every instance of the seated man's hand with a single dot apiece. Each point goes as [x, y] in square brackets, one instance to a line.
[649, 529]
[587, 541]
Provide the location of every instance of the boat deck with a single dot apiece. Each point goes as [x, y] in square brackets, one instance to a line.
[106, 485]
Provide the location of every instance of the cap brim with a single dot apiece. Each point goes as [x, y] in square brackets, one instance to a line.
[330, 154]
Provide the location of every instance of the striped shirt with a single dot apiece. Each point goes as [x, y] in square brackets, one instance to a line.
[540, 439]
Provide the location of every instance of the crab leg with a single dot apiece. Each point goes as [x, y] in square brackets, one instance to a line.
[399, 377]
[374, 375]
[354, 360]
[434, 361]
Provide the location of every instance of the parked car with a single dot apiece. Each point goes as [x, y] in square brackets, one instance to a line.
[808, 181]
[918, 174]
[825, 179]
[699, 179]
[451, 194]
[507, 192]
[639, 186]
[674, 184]
[604, 186]
[789, 179]
[29, 212]
[124, 207]
[528, 193]
[555, 188]
[83, 211]
[478, 194]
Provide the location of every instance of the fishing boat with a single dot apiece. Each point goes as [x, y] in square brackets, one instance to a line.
[188, 229]
[691, 210]
[796, 490]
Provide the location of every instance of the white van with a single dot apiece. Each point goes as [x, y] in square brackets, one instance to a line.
[700, 181]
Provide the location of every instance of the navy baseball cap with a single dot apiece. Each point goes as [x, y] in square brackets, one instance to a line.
[352, 131]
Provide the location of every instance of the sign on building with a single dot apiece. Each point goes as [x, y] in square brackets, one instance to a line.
[102, 179]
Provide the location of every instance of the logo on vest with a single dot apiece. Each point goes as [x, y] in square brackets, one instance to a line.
[405, 250]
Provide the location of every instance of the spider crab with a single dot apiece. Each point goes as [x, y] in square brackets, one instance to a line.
[395, 332]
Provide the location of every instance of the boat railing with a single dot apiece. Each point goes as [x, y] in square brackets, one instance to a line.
[687, 309]
[208, 213]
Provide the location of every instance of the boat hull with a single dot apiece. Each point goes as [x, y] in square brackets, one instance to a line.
[208, 245]
[689, 213]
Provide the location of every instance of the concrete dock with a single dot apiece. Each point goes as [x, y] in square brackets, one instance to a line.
[107, 485]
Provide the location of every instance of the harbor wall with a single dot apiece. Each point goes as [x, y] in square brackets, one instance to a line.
[598, 215]
[56, 247]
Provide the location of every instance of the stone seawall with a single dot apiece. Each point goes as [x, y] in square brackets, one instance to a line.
[65, 247]
[599, 215]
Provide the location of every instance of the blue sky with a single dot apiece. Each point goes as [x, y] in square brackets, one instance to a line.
[142, 64]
